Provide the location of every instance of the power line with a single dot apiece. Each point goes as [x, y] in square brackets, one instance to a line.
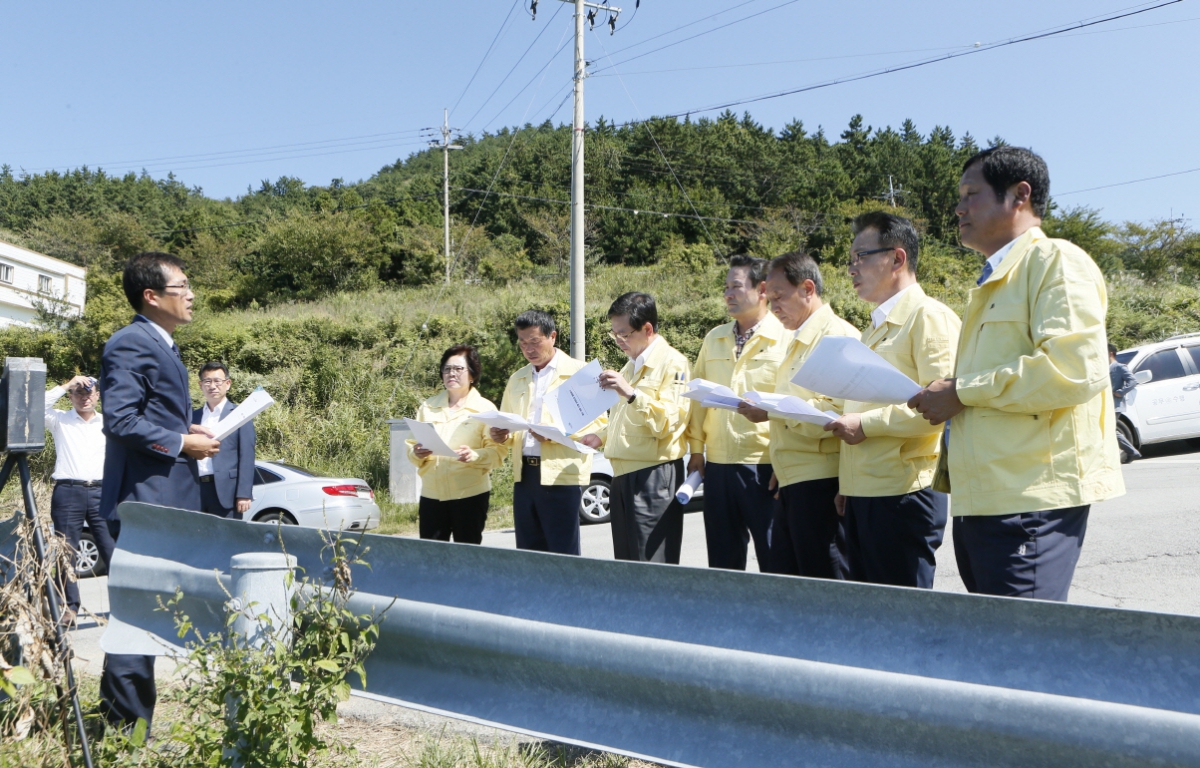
[684, 26]
[922, 63]
[486, 53]
[1125, 183]
[561, 45]
[699, 34]
[514, 67]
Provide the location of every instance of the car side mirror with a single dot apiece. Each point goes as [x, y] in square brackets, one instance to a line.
[1144, 377]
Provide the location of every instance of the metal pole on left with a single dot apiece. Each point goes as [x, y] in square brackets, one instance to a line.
[578, 336]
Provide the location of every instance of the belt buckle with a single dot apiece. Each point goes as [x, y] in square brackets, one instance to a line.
[533, 461]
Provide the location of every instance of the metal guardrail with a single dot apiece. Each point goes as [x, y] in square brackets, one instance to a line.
[703, 667]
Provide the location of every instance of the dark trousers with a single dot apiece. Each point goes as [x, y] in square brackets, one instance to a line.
[892, 539]
[211, 503]
[1127, 446]
[647, 519]
[127, 689]
[70, 506]
[737, 507]
[807, 536]
[461, 518]
[546, 517]
[1032, 554]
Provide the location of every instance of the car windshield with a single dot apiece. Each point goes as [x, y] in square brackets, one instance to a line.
[297, 470]
[1125, 357]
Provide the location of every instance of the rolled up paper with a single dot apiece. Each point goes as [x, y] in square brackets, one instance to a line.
[689, 488]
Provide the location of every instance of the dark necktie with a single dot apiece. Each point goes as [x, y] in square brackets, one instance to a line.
[987, 272]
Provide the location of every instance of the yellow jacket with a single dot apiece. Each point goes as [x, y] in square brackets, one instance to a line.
[900, 453]
[559, 465]
[730, 438]
[651, 430]
[447, 479]
[802, 451]
[1039, 431]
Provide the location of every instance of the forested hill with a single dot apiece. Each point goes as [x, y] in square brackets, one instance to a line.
[701, 188]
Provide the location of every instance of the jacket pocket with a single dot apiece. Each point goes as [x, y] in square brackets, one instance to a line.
[1012, 450]
[1003, 336]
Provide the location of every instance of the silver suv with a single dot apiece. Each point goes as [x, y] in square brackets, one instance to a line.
[1166, 403]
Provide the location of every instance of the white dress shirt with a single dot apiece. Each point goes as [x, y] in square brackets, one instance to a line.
[209, 418]
[640, 360]
[78, 444]
[541, 384]
[161, 332]
[880, 313]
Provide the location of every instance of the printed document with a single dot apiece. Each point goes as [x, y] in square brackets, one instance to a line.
[258, 402]
[712, 395]
[689, 488]
[514, 423]
[844, 367]
[789, 407]
[428, 438]
[580, 400]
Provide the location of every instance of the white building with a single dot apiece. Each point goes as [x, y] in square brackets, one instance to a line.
[28, 278]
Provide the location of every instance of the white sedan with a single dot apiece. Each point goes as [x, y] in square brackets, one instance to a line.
[298, 497]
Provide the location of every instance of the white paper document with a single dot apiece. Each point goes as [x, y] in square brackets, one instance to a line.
[844, 367]
[689, 488]
[579, 400]
[514, 423]
[428, 438]
[712, 395]
[789, 407]
[258, 402]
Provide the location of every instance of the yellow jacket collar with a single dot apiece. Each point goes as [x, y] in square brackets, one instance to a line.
[900, 313]
[472, 402]
[768, 328]
[657, 354]
[811, 328]
[1016, 253]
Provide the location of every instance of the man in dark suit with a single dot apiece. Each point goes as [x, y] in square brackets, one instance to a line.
[152, 445]
[227, 479]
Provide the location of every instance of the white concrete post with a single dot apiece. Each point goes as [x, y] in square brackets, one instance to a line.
[263, 597]
[404, 483]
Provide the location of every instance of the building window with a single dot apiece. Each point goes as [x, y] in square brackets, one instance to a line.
[6, 273]
[45, 284]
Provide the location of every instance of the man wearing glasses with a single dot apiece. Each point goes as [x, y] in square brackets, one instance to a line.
[645, 436]
[152, 445]
[227, 479]
[78, 472]
[549, 478]
[894, 520]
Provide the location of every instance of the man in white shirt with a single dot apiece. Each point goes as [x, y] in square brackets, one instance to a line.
[78, 473]
[226, 479]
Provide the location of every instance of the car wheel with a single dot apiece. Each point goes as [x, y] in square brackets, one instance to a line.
[275, 516]
[87, 558]
[594, 506]
[1127, 433]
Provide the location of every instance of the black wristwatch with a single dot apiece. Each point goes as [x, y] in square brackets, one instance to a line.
[632, 397]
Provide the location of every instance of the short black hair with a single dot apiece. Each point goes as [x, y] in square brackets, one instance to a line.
[1112, 349]
[535, 318]
[756, 267]
[1005, 166]
[147, 270]
[894, 232]
[214, 365]
[797, 267]
[468, 351]
[639, 308]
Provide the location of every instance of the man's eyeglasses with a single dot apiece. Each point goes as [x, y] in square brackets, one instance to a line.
[620, 336]
[213, 382]
[861, 256]
[81, 392]
[455, 369]
[185, 286]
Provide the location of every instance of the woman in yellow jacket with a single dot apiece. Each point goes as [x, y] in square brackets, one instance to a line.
[455, 491]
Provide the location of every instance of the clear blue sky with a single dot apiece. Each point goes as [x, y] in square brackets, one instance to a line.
[229, 94]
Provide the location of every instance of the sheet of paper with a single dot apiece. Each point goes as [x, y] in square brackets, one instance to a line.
[844, 367]
[712, 395]
[689, 488]
[426, 435]
[258, 402]
[514, 423]
[579, 400]
[789, 407]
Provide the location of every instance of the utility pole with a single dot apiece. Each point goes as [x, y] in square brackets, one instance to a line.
[578, 318]
[446, 146]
